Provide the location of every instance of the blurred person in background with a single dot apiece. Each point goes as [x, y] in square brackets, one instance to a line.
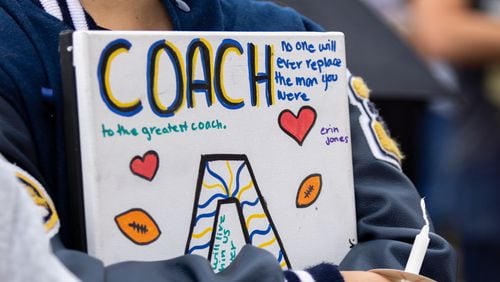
[461, 168]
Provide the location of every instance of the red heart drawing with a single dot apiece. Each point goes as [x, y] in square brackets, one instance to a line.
[298, 126]
[145, 166]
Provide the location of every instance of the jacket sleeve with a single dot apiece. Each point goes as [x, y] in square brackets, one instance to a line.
[251, 264]
[25, 253]
[387, 204]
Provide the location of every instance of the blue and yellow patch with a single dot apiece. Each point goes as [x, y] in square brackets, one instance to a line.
[41, 200]
[379, 139]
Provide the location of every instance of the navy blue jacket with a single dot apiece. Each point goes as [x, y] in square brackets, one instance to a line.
[31, 137]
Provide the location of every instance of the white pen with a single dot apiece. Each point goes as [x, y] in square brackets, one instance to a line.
[420, 245]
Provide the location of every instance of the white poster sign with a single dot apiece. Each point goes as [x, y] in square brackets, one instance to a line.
[199, 143]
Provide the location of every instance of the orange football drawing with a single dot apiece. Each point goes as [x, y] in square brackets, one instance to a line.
[138, 226]
[309, 190]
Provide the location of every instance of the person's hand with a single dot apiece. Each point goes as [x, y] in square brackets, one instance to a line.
[362, 276]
